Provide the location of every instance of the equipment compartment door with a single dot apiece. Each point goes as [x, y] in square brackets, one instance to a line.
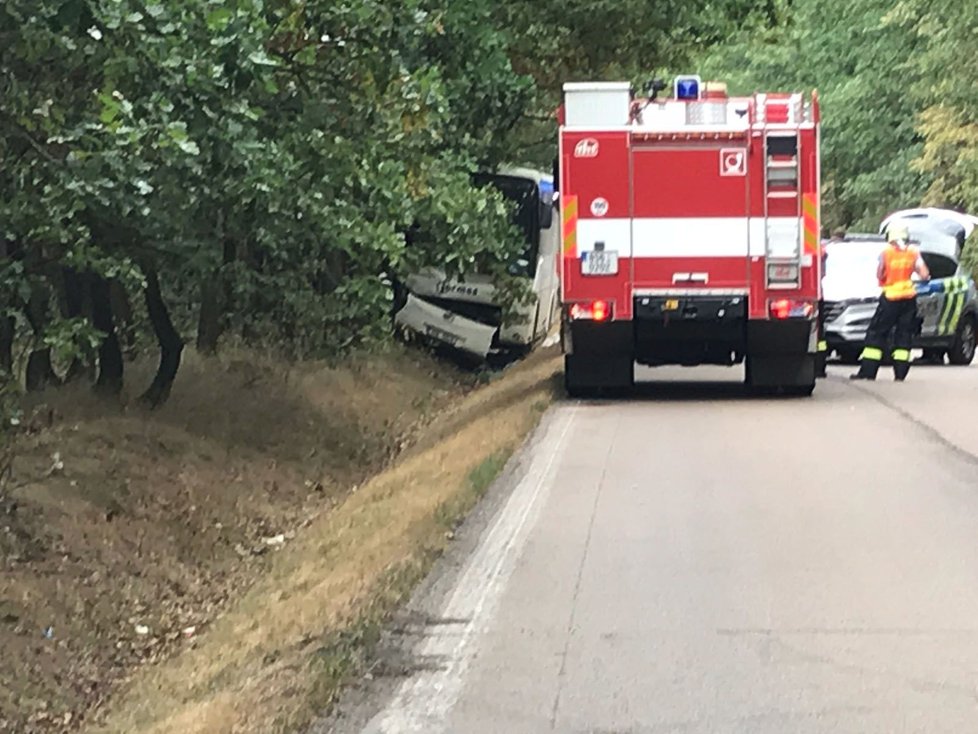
[691, 224]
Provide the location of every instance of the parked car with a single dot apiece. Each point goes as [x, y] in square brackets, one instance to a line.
[947, 304]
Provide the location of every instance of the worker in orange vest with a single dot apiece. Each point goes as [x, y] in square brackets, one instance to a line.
[897, 309]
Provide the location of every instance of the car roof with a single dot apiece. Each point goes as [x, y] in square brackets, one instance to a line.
[533, 174]
[863, 237]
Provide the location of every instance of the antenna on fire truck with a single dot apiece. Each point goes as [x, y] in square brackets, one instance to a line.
[655, 86]
[652, 89]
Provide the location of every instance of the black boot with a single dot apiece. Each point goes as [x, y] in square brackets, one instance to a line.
[867, 370]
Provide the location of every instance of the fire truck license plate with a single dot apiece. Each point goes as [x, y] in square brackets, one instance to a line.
[599, 262]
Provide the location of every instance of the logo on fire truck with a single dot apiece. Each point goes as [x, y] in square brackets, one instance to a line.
[587, 148]
[733, 162]
[599, 207]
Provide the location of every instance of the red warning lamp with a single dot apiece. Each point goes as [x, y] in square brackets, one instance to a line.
[590, 311]
[788, 308]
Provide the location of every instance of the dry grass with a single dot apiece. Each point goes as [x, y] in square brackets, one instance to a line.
[280, 653]
[160, 519]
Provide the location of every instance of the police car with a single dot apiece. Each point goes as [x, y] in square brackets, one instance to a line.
[947, 304]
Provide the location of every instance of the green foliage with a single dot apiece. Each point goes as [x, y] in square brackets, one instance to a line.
[945, 67]
[268, 160]
[611, 40]
[863, 66]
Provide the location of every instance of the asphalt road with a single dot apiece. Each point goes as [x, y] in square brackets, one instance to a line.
[695, 560]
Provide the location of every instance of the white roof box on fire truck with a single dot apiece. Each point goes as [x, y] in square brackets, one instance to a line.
[705, 105]
[597, 104]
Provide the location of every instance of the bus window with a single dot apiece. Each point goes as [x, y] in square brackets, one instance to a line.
[524, 195]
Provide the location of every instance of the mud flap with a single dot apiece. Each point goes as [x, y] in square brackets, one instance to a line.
[446, 327]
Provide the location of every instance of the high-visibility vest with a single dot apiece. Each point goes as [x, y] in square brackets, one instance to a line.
[898, 265]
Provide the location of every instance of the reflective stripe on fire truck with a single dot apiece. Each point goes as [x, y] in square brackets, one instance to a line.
[809, 211]
[570, 226]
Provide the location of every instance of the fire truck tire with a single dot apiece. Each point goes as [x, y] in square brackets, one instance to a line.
[591, 375]
[793, 375]
[820, 366]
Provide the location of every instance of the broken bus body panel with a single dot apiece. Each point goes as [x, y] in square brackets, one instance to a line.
[463, 313]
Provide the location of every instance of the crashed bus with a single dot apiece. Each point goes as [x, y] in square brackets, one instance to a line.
[463, 313]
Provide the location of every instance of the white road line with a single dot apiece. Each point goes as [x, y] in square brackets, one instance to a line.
[423, 702]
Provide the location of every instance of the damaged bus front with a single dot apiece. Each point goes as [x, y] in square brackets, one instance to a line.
[464, 313]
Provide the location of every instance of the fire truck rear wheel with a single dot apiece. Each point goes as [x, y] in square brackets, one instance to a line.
[595, 375]
[778, 375]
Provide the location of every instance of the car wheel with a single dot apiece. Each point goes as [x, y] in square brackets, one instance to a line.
[962, 352]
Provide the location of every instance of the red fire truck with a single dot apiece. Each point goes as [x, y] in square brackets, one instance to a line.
[690, 233]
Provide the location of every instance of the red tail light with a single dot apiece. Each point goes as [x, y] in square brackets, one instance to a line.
[590, 311]
[788, 308]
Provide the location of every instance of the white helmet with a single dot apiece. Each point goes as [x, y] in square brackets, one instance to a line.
[898, 232]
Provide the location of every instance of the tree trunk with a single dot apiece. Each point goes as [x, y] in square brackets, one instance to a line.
[40, 370]
[215, 300]
[7, 326]
[209, 320]
[73, 295]
[110, 363]
[171, 345]
[122, 309]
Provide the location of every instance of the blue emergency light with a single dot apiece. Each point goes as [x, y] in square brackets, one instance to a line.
[687, 88]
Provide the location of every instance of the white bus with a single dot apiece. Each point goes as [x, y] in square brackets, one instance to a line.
[463, 313]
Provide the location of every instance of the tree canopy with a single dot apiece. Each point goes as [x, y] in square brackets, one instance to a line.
[862, 67]
[195, 168]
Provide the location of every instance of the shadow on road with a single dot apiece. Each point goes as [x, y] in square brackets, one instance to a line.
[690, 390]
[684, 391]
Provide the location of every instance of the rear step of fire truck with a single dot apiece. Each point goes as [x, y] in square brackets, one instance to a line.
[690, 230]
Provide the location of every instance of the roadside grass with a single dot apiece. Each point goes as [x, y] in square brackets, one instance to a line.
[280, 655]
[117, 520]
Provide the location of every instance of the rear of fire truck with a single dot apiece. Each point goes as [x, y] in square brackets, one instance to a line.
[690, 233]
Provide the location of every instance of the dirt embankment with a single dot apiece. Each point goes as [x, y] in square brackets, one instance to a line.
[219, 565]
[125, 533]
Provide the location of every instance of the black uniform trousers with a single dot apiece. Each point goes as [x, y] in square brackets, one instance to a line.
[900, 317]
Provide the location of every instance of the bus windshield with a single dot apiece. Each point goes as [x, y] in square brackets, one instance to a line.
[524, 196]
